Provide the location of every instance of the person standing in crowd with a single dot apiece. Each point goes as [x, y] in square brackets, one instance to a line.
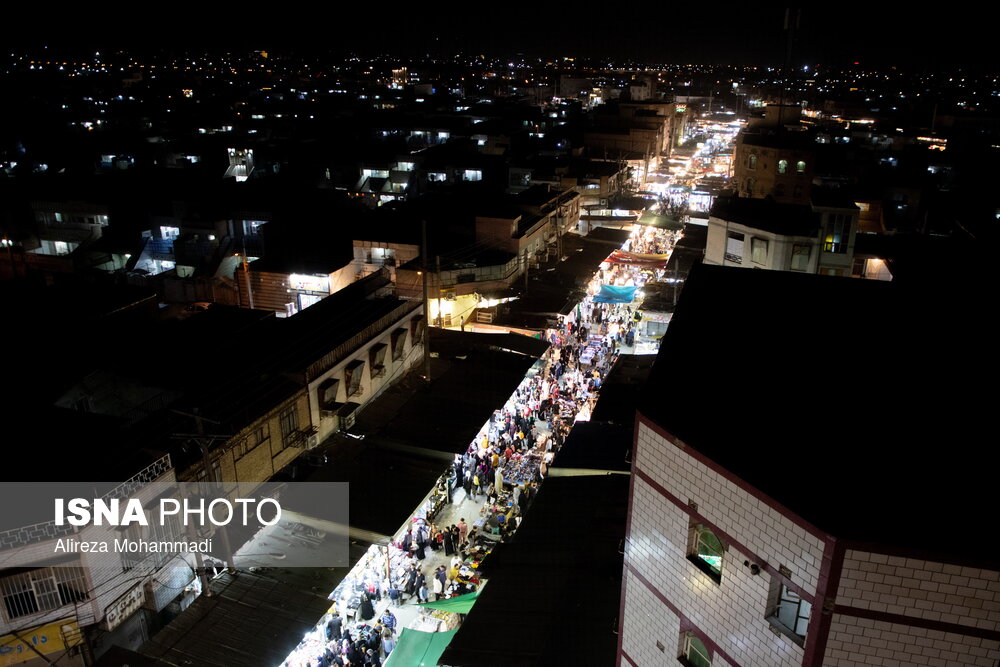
[411, 581]
[333, 627]
[394, 595]
[422, 591]
[449, 542]
[438, 588]
[463, 530]
[389, 621]
[365, 610]
[388, 643]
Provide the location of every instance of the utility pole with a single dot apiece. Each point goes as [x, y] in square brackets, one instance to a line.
[246, 272]
[427, 310]
[525, 269]
[203, 441]
[440, 317]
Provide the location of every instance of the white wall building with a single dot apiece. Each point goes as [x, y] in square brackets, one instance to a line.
[780, 517]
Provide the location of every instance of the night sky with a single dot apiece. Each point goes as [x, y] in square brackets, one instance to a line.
[657, 32]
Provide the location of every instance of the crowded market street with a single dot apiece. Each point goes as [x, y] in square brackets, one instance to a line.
[411, 595]
[481, 498]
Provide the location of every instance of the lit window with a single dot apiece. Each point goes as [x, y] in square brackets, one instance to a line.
[837, 230]
[694, 653]
[787, 611]
[473, 175]
[800, 167]
[782, 166]
[706, 551]
[753, 162]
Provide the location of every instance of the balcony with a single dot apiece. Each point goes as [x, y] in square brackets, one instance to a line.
[300, 437]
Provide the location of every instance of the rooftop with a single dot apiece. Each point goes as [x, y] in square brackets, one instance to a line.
[844, 400]
[768, 215]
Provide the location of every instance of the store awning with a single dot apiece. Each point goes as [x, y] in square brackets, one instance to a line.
[615, 294]
[650, 219]
[460, 604]
[419, 649]
[653, 261]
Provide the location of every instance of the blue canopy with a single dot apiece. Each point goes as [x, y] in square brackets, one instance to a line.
[615, 294]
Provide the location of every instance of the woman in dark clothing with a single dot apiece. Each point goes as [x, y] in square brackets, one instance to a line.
[365, 610]
[449, 542]
[411, 578]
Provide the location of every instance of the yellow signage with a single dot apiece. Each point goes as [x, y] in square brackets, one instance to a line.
[45, 639]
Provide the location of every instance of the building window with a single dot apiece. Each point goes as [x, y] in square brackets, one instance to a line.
[758, 250]
[398, 341]
[473, 175]
[376, 355]
[800, 167]
[417, 329]
[782, 166]
[694, 653]
[706, 551]
[734, 247]
[132, 533]
[837, 228]
[43, 589]
[328, 393]
[800, 257]
[289, 421]
[788, 612]
[752, 162]
[352, 377]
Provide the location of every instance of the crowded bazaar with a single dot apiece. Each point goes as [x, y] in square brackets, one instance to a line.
[408, 597]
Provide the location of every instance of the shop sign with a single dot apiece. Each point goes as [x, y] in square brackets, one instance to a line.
[123, 607]
[308, 283]
[44, 639]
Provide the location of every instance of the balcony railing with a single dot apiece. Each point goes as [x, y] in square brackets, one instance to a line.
[300, 438]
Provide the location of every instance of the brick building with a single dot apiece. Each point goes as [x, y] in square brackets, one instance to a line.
[796, 497]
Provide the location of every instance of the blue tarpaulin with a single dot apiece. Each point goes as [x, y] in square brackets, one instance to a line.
[615, 294]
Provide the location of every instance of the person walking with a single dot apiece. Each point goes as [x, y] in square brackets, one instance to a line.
[463, 530]
[438, 588]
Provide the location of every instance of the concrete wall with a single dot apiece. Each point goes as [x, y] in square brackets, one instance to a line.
[779, 249]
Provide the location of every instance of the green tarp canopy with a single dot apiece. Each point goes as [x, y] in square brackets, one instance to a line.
[419, 649]
[460, 604]
[651, 219]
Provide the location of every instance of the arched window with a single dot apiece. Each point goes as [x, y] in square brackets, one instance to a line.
[706, 551]
[800, 167]
[753, 162]
[694, 653]
[782, 166]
